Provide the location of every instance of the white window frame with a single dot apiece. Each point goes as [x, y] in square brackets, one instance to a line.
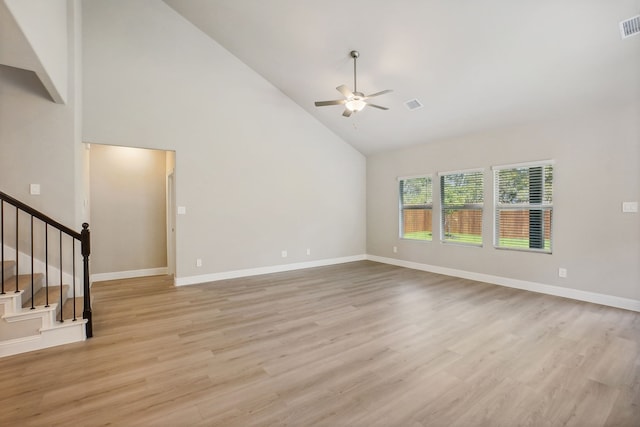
[543, 206]
[401, 208]
[471, 206]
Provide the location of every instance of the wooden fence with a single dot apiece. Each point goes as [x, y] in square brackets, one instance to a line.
[470, 222]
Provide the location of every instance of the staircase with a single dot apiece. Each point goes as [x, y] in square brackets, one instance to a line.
[38, 309]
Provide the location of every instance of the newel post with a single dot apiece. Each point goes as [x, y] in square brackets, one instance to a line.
[85, 242]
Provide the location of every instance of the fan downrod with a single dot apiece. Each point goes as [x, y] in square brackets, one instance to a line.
[355, 54]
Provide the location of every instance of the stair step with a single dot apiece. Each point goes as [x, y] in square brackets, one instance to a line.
[8, 266]
[24, 284]
[67, 310]
[54, 296]
[24, 281]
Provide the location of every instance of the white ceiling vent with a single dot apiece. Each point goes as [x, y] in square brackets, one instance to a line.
[413, 104]
[630, 27]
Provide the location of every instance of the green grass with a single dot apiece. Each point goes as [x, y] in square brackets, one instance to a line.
[418, 235]
[474, 239]
[520, 243]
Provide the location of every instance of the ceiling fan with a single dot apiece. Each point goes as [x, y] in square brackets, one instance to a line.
[353, 101]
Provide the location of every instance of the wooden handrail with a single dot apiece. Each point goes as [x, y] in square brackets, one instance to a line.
[37, 214]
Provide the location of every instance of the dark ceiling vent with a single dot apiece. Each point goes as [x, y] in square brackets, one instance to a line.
[630, 27]
[413, 104]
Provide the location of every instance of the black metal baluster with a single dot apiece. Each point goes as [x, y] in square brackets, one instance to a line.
[73, 251]
[17, 254]
[46, 264]
[33, 294]
[61, 317]
[2, 240]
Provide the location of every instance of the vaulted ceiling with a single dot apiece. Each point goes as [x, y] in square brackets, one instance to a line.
[473, 65]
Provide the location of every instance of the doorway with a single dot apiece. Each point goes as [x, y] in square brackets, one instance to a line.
[132, 215]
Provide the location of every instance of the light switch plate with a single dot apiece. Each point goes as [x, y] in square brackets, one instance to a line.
[34, 189]
[182, 210]
[630, 207]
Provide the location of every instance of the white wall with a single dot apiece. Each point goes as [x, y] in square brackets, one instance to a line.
[39, 139]
[597, 168]
[37, 145]
[255, 172]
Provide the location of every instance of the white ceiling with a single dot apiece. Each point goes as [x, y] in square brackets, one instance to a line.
[475, 65]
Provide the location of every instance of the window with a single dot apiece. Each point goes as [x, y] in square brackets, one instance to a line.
[523, 206]
[416, 207]
[462, 197]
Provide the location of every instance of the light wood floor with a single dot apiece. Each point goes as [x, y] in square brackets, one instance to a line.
[359, 344]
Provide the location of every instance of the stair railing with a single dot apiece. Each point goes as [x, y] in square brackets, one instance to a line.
[83, 237]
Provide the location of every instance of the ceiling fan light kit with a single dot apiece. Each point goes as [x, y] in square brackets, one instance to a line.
[353, 101]
[356, 104]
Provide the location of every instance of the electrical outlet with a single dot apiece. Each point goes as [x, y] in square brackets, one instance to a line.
[395, 249]
[199, 262]
[562, 272]
[284, 254]
[308, 251]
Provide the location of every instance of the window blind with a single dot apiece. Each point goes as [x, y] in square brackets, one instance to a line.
[524, 207]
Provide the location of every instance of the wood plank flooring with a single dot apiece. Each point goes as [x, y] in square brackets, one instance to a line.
[358, 344]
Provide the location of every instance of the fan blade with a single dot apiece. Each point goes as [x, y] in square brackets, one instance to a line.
[335, 102]
[382, 92]
[347, 112]
[377, 106]
[344, 90]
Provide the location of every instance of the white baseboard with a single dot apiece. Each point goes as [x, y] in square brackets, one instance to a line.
[116, 275]
[204, 278]
[66, 333]
[603, 299]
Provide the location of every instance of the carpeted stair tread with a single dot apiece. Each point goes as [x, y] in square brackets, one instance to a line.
[24, 281]
[7, 266]
[24, 284]
[68, 308]
[54, 296]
